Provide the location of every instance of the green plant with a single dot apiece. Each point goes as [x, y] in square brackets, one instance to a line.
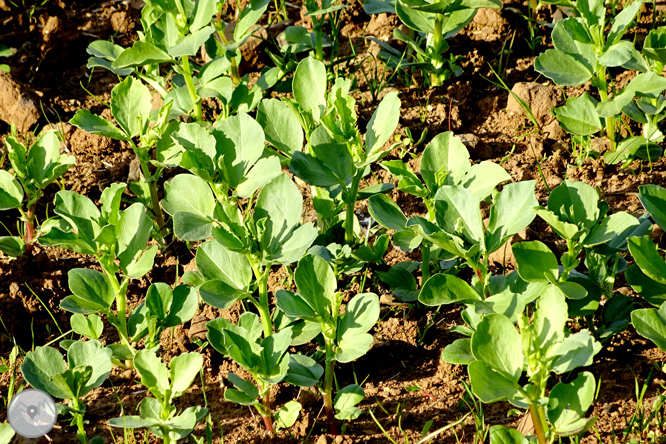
[5, 51]
[35, 166]
[267, 361]
[345, 335]
[158, 414]
[246, 244]
[498, 354]
[451, 226]
[174, 31]
[338, 158]
[435, 22]
[583, 46]
[117, 239]
[89, 365]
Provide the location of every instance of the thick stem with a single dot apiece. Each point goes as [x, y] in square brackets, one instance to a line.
[80, 427]
[29, 230]
[437, 44]
[262, 303]
[266, 414]
[425, 262]
[152, 186]
[351, 202]
[187, 71]
[235, 77]
[538, 420]
[328, 387]
[603, 94]
[319, 44]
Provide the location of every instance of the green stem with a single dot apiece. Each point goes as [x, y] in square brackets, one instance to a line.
[266, 413]
[602, 86]
[328, 387]
[187, 74]
[437, 44]
[81, 430]
[538, 419]
[152, 186]
[262, 303]
[235, 77]
[351, 202]
[425, 262]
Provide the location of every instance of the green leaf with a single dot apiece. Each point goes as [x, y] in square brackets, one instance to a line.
[567, 403]
[575, 203]
[295, 247]
[550, 318]
[361, 314]
[249, 16]
[497, 343]
[218, 263]
[618, 54]
[511, 212]
[240, 143]
[282, 204]
[346, 400]
[646, 255]
[652, 291]
[39, 366]
[562, 68]
[489, 385]
[577, 350]
[622, 21]
[90, 326]
[303, 371]
[503, 435]
[220, 294]
[482, 178]
[352, 347]
[131, 106]
[579, 116]
[383, 122]
[311, 170]
[92, 290]
[417, 20]
[11, 192]
[535, 261]
[653, 198]
[189, 44]
[183, 306]
[92, 354]
[610, 228]
[386, 212]
[310, 87]
[81, 213]
[133, 231]
[45, 163]
[459, 352]
[133, 422]
[93, 124]
[182, 371]
[651, 324]
[153, 372]
[280, 126]
[203, 13]
[140, 54]
[190, 199]
[443, 289]
[12, 245]
[455, 205]
[445, 161]
[287, 415]
[142, 263]
[334, 156]
[316, 283]
[6, 433]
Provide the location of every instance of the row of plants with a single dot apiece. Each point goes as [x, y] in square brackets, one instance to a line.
[547, 317]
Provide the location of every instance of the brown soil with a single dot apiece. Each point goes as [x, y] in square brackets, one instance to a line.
[406, 384]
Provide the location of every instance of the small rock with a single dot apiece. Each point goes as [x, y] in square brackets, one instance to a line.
[339, 439]
[322, 440]
[476, 147]
[16, 104]
[307, 398]
[598, 144]
[540, 99]
[198, 327]
[553, 130]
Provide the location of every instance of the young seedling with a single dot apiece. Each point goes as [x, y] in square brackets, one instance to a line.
[435, 22]
[164, 308]
[117, 239]
[158, 414]
[445, 162]
[35, 167]
[131, 108]
[246, 244]
[267, 361]
[89, 365]
[346, 336]
[498, 354]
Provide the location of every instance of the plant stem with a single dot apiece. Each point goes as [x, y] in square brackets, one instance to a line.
[29, 229]
[328, 387]
[266, 413]
[425, 262]
[351, 202]
[538, 420]
[437, 42]
[187, 74]
[235, 78]
[602, 86]
[152, 186]
[81, 431]
[262, 303]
